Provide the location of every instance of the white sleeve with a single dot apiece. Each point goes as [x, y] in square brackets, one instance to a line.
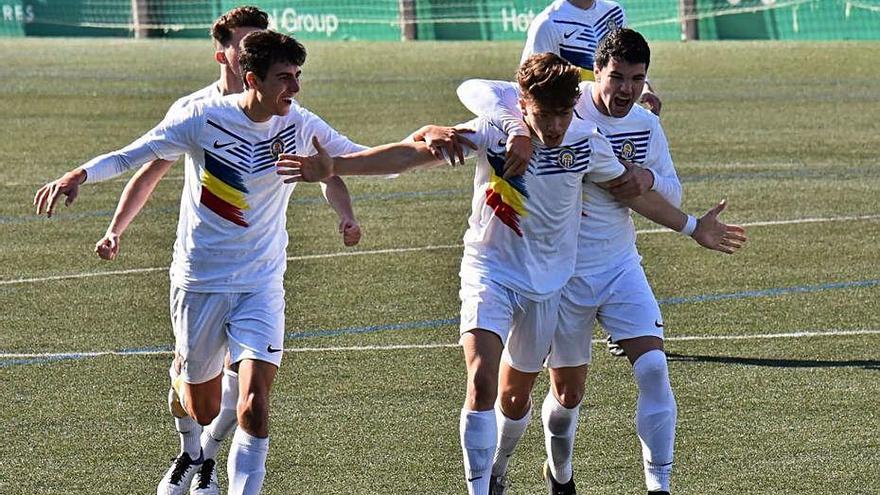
[483, 129]
[167, 141]
[604, 165]
[659, 162]
[495, 100]
[335, 143]
[625, 22]
[542, 37]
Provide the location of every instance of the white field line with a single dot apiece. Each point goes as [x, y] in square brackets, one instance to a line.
[681, 338]
[439, 247]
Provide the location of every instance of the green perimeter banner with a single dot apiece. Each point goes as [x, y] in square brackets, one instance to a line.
[333, 20]
[509, 20]
[13, 15]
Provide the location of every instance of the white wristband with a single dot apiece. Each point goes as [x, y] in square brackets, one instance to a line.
[690, 226]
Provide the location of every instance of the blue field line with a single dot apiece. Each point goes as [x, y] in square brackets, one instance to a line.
[429, 324]
[448, 193]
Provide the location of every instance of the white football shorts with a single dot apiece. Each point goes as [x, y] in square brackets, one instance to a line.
[620, 299]
[525, 326]
[250, 325]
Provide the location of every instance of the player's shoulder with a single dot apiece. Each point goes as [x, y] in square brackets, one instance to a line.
[206, 93]
[603, 6]
[643, 117]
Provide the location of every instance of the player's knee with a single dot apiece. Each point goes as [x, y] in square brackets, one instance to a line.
[514, 404]
[204, 411]
[253, 411]
[570, 397]
[651, 368]
[482, 390]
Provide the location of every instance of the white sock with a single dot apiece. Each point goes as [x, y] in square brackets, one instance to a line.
[560, 425]
[656, 414]
[510, 431]
[189, 431]
[225, 422]
[247, 463]
[478, 437]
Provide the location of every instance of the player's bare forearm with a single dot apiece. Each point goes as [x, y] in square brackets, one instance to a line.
[136, 193]
[655, 208]
[387, 159]
[337, 196]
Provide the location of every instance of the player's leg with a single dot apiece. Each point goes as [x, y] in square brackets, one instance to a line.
[486, 313]
[531, 332]
[477, 426]
[569, 357]
[205, 480]
[559, 415]
[633, 317]
[199, 321]
[256, 339]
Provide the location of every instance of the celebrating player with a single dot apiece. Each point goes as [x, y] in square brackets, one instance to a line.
[229, 257]
[609, 283]
[573, 29]
[521, 244]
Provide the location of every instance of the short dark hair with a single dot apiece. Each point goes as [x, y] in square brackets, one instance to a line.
[261, 49]
[624, 45]
[549, 81]
[246, 16]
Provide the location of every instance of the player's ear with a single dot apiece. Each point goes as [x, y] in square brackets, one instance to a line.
[220, 57]
[251, 79]
[522, 106]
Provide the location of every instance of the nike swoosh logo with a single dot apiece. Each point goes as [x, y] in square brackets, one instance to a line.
[218, 145]
[658, 324]
[568, 35]
[269, 348]
[474, 479]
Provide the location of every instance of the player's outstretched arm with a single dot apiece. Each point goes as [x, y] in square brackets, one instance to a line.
[67, 185]
[134, 196]
[386, 159]
[499, 102]
[445, 143]
[707, 231]
[337, 196]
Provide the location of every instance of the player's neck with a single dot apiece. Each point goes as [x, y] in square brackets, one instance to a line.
[229, 83]
[597, 101]
[582, 4]
[252, 107]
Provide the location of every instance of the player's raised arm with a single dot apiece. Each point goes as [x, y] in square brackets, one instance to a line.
[499, 101]
[386, 159]
[135, 195]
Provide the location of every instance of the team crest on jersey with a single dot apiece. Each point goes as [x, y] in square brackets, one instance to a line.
[628, 150]
[566, 158]
[611, 25]
[277, 148]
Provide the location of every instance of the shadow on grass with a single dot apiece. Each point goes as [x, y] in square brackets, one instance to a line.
[776, 363]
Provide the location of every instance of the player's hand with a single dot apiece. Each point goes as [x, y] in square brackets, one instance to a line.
[313, 168]
[108, 247]
[713, 234]
[446, 143]
[519, 152]
[350, 230]
[67, 184]
[637, 181]
[651, 101]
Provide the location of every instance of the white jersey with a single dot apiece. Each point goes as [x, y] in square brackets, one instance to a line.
[522, 232]
[607, 234]
[573, 33]
[232, 235]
